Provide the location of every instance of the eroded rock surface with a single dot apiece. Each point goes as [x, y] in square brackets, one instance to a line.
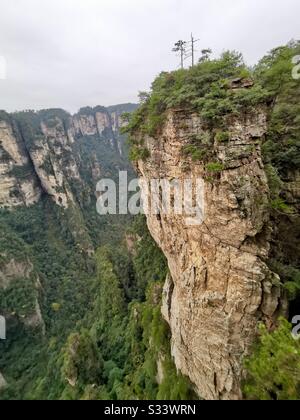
[18, 183]
[220, 286]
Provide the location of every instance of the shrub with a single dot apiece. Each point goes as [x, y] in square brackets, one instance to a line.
[203, 88]
[280, 205]
[222, 136]
[138, 153]
[215, 167]
[195, 152]
[274, 367]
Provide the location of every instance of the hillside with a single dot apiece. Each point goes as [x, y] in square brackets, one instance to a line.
[156, 307]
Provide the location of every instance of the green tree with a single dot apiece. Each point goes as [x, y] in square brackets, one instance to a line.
[274, 367]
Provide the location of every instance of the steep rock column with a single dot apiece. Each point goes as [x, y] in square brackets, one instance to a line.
[54, 163]
[220, 286]
[19, 184]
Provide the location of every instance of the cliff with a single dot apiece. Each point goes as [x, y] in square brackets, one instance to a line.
[236, 131]
[15, 160]
[219, 286]
[50, 162]
[37, 152]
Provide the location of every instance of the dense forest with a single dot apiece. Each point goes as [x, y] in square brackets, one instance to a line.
[97, 312]
[102, 334]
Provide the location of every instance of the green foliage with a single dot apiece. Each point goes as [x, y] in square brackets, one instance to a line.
[154, 350]
[199, 148]
[149, 262]
[19, 298]
[222, 136]
[290, 277]
[82, 363]
[21, 172]
[38, 242]
[279, 205]
[282, 148]
[138, 153]
[215, 167]
[105, 336]
[274, 367]
[204, 88]
[195, 152]
[275, 183]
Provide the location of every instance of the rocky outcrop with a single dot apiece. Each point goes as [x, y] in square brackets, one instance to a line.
[38, 152]
[54, 163]
[3, 383]
[19, 184]
[12, 270]
[103, 122]
[22, 271]
[220, 286]
[117, 123]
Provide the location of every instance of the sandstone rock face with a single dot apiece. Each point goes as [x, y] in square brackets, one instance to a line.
[219, 286]
[42, 158]
[54, 162]
[103, 122]
[14, 269]
[24, 271]
[117, 123]
[18, 182]
[86, 124]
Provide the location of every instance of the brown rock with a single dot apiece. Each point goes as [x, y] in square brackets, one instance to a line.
[219, 286]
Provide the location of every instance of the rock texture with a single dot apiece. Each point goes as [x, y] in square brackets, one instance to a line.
[18, 183]
[22, 270]
[38, 152]
[54, 163]
[219, 286]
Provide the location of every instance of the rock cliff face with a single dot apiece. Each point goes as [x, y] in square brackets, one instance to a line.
[219, 286]
[18, 182]
[38, 152]
[22, 271]
[50, 162]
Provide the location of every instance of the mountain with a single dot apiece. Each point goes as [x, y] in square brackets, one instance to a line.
[234, 271]
[37, 151]
[162, 306]
[50, 163]
[80, 292]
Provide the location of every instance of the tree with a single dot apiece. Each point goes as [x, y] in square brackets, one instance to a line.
[143, 97]
[180, 47]
[206, 53]
[274, 367]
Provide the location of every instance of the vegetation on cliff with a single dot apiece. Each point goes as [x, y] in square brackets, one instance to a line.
[274, 367]
[101, 331]
[205, 89]
[105, 336]
[216, 89]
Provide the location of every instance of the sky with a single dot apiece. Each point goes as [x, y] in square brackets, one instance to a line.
[74, 53]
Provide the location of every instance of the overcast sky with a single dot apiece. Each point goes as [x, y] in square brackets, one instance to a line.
[73, 53]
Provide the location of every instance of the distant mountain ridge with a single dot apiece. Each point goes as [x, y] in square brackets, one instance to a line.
[37, 150]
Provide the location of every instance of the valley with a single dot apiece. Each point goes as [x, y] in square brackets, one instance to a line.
[123, 307]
